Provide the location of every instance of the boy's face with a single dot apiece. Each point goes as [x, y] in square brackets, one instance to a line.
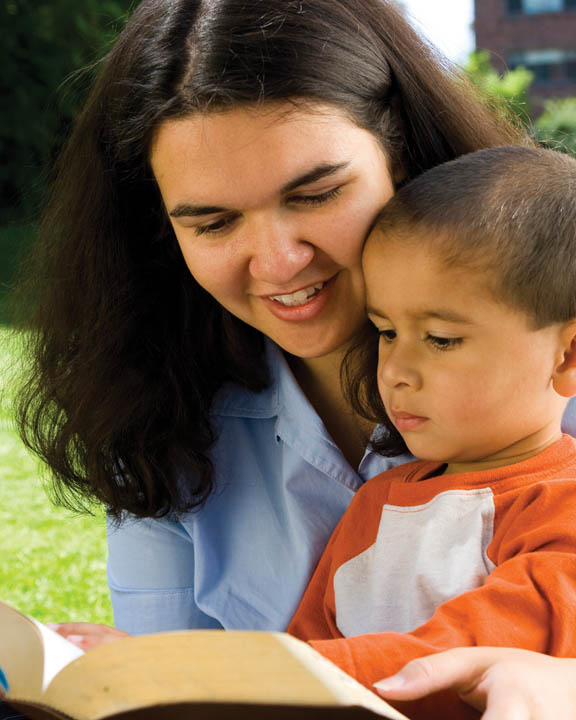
[463, 378]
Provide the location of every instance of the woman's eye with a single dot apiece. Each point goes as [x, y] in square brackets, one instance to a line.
[444, 343]
[314, 200]
[387, 335]
[215, 227]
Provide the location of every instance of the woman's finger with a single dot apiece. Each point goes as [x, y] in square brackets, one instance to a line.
[509, 705]
[457, 669]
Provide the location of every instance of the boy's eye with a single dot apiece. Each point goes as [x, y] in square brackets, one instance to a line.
[443, 343]
[387, 335]
[314, 200]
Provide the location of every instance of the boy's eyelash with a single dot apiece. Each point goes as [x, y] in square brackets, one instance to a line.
[444, 343]
[437, 342]
[310, 200]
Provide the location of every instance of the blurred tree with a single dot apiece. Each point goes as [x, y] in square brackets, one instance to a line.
[46, 46]
[509, 92]
[556, 127]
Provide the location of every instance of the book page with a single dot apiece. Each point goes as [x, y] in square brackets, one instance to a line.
[207, 668]
[347, 690]
[21, 653]
[30, 654]
[58, 653]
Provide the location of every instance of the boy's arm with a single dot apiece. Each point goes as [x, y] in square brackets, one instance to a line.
[528, 601]
[513, 608]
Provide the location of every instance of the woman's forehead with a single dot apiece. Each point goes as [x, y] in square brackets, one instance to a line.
[239, 128]
[268, 146]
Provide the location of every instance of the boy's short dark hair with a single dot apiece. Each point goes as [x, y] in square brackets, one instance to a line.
[508, 212]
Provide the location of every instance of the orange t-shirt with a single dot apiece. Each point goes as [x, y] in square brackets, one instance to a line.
[422, 563]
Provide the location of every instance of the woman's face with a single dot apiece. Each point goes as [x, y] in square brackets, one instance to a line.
[271, 207]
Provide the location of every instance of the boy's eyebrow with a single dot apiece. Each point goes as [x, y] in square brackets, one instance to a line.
[440, 314]
[445, 314]
[319, 172]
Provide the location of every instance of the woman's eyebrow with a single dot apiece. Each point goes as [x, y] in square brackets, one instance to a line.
[189, 210]
[316, 173]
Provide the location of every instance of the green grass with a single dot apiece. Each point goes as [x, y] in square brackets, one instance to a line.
[53, 563]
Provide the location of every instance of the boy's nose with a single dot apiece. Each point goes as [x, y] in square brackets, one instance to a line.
[396, 368]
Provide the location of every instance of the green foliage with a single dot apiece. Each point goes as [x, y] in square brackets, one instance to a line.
[53, 563]
[509, 91]
[556, 127]
[46, 46]
[14, 242]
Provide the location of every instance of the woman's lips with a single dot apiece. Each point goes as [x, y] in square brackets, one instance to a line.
[407, 421]
[308, 310]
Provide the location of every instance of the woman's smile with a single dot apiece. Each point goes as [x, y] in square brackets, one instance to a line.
[301, 305]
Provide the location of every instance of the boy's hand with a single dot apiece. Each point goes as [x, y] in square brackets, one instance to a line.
[509, 684]
[87, 635]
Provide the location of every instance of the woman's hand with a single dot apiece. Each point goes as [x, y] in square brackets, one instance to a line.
[509, 684]
[87, 635]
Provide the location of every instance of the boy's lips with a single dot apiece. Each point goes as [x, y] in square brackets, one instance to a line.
[407, 421]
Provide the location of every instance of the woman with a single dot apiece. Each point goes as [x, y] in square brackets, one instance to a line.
[198, 281]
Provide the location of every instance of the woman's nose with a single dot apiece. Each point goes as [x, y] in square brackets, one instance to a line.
[397, 367]
[278, 252]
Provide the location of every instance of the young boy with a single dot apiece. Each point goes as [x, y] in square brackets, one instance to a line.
[471, 286]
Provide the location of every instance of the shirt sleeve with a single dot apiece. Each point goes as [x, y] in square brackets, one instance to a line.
[528, 601]
[569, 418]
[151, 577]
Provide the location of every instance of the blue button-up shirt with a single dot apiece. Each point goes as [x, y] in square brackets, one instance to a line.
[243, 560]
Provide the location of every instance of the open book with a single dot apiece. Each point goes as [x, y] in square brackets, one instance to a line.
[199, 674]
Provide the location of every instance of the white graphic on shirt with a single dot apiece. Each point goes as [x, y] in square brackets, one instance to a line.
[423, 556]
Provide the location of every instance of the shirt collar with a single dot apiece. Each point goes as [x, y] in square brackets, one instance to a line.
[283, 390]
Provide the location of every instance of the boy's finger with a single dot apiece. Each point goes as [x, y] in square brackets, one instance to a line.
[83, 628]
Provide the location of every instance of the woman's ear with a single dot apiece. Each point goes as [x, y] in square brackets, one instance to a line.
[564, 377]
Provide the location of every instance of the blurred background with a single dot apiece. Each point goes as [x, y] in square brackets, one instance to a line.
[522, 53]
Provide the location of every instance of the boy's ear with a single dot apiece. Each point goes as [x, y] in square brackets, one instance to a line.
[564, 377]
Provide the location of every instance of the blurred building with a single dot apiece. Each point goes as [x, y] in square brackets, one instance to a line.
[538, 34]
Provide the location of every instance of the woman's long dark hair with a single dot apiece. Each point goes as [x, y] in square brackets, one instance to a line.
[128, 351]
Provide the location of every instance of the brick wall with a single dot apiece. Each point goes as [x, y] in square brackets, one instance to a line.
[502, 33]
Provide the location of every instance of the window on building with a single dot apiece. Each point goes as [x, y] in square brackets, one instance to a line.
[534, 7]
[552, 66]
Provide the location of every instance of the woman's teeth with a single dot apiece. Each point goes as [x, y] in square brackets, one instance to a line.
[301, 297]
